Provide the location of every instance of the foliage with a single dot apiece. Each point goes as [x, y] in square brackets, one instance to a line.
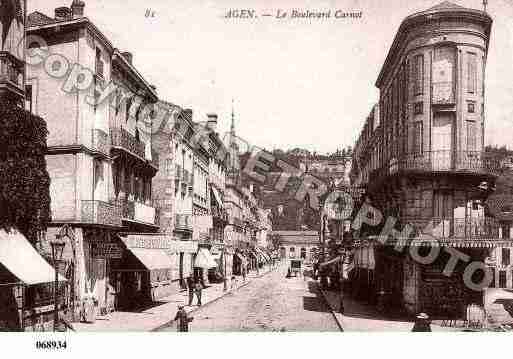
[24, 180]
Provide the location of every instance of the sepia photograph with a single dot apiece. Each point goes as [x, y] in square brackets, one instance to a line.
[283, 166]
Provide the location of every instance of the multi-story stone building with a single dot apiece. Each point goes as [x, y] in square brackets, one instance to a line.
[12, 61]
[99, 154]
[423, 164]
[173, 188]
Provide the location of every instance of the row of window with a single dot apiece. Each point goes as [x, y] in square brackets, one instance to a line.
[418, 73]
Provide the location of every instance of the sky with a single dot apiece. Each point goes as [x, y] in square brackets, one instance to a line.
[305, 83]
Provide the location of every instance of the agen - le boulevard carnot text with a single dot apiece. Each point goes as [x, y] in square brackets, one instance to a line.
[292, 14]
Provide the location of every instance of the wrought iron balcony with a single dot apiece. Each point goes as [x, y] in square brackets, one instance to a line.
[99, 212]
[140, 212]
[11, 70]
[183, 222]
[447, 160]
[121, 138]
[101, 141]
[457, 228]
[465, 162]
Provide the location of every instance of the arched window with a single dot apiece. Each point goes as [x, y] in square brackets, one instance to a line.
[303, 253]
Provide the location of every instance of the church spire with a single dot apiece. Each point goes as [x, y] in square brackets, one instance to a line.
[232, 128]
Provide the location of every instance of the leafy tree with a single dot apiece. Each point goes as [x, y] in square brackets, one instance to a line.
[24, 180]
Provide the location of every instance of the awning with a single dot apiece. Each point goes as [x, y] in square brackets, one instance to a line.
[152, 259]
[204, 259]
[23, 261]
[217, 196]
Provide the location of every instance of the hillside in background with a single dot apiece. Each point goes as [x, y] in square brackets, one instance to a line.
[287, 212]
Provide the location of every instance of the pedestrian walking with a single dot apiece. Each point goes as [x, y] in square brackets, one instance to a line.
[244, 273]
[190, 289]
[182, 319]
[422, 323]
[198, 288]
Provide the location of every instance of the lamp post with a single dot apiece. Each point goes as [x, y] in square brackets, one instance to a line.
[57, 249]
[225, 285]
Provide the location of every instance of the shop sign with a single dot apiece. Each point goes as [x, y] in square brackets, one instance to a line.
[159, 242]
[106, 250]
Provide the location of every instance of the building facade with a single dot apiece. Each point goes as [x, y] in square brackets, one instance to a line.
[423, 163]
[99, 153]
[302, 245]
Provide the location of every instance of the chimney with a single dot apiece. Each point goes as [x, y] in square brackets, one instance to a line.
[212, 121]
[62, 13]
[128, 56]
[77, 9]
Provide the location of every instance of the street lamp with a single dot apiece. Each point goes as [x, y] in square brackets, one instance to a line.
[225, 285]
[57, 250]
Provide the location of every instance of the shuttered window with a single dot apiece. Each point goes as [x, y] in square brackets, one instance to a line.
[417, 138]
[418, 74]
[471, 136]
[471, 73]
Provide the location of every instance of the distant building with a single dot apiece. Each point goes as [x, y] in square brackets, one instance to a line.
[297, 244]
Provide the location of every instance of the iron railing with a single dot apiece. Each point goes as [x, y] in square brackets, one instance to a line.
[458, 228]
[11, 69]
[99, 212]
[471, 162]
[101, 141]
[123, 139]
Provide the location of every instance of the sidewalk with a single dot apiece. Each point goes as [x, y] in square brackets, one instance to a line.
[360, 317]
[164, 311]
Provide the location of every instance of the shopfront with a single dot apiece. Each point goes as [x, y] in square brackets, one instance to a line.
[151, 268]
[26, 286]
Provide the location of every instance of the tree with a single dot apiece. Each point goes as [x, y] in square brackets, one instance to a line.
[24, 180]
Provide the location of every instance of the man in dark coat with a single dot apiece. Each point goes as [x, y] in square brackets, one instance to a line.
[422, 323]
[198, 288]
[182, 319]
[190, 289]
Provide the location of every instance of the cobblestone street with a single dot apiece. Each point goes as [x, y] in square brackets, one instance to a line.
[269, 303]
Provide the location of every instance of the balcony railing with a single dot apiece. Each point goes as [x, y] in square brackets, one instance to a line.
[123, 139]
[98, 212]
[101, 141]
[140, 212]
[458, 228]
[183, 222]
[11, 69]
[464, 161]
[476, 162]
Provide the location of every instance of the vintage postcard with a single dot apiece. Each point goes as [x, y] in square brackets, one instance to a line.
[255, 166]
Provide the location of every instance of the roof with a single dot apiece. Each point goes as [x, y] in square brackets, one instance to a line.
[446, 5]
[23, 261]
[445, 8]
[37, 18]
[38, 21]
